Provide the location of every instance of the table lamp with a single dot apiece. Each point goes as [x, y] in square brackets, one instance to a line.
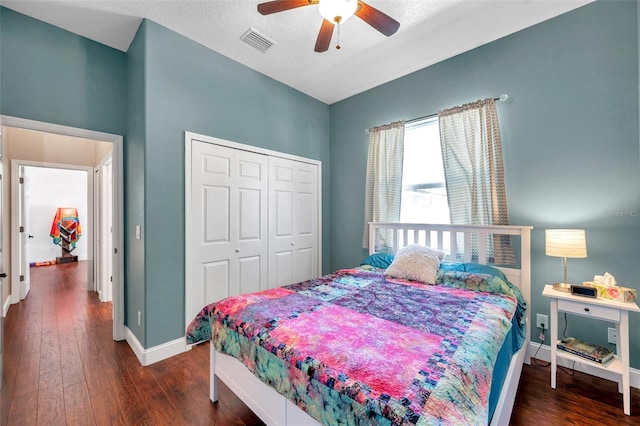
[565, 243]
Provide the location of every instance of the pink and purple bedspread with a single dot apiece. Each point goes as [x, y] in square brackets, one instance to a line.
[355, 348]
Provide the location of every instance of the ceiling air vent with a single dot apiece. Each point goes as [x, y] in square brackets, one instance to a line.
[257, 40]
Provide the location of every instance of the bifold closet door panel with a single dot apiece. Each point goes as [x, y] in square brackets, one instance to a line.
[293, 221]
[229, 228]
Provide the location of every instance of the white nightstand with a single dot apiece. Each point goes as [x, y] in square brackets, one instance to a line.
[606, 310]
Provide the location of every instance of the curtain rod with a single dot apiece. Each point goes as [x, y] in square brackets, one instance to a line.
[502, 98]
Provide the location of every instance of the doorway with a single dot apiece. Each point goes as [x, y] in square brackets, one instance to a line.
[49, 154]
[40, 191]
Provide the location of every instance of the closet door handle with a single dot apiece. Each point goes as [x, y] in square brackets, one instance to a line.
[3, 275]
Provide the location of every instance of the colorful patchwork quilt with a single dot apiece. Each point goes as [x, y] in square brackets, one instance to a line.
[355, 348]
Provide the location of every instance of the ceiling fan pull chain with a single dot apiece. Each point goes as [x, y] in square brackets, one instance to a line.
[338, 41]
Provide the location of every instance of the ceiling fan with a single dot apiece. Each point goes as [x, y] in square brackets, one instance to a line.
[335, 12]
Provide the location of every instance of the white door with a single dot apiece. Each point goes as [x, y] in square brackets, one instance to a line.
[293, 221]
[106, 230]
[229, 223]
[103, 223]
[23, 194]
[3, 274]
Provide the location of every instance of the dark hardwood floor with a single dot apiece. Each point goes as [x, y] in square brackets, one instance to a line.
[61, 366]
[580, 399]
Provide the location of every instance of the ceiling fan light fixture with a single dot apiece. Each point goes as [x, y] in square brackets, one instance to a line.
[337, 11]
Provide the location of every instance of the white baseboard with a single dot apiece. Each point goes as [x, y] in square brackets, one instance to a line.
[5, 306]
[156, 353]
[544, 354]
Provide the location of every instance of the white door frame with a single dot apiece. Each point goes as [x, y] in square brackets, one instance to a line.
[118, 206]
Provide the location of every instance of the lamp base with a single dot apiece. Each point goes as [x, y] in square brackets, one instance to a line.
[562, 287]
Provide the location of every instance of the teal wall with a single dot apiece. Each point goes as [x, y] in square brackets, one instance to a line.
[54, 76]
[190, 87]
[134, 188]
[570, 138]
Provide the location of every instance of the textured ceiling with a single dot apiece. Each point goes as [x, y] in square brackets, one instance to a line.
[430, 31]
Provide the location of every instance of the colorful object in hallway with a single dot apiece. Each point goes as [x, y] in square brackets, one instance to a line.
[66, 231]
[43, 263]
[66, 219]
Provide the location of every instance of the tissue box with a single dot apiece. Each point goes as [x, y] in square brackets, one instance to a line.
[621, 294]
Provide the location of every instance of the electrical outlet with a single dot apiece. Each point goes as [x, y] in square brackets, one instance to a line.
[612, 335]
[542, 319]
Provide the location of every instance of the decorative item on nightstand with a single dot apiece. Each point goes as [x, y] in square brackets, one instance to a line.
[606, 287]
[565, 243]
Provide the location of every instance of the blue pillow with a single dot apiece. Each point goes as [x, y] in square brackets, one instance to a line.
[452, 266]
[378, 260]
[484, 269]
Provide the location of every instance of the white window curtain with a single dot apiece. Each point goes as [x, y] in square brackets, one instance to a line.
[384, 180]
[474, 172]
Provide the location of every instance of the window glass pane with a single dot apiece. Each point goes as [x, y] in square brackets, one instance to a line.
[424, 196]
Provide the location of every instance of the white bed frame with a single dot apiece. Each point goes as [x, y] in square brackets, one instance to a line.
[275, 409]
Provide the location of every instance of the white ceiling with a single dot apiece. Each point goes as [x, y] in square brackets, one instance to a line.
[430, 31]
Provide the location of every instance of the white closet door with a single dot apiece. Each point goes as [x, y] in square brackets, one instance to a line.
[229, 230]
[293, 221]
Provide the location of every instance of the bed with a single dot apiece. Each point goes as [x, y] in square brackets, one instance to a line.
[456, 361]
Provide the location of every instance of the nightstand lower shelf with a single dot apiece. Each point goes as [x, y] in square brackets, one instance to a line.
[614, 366]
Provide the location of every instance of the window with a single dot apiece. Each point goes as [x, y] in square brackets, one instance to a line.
[424, 194]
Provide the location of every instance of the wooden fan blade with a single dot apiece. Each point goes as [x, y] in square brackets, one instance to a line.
[378, 20]
[282, 5]
[324, 36]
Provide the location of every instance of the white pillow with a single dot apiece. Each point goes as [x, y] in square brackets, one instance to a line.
[416, 263]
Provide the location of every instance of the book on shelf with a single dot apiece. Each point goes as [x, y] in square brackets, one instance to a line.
[586, 350]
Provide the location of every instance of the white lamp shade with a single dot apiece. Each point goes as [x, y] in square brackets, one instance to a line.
[565, 243]
[337, 11]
